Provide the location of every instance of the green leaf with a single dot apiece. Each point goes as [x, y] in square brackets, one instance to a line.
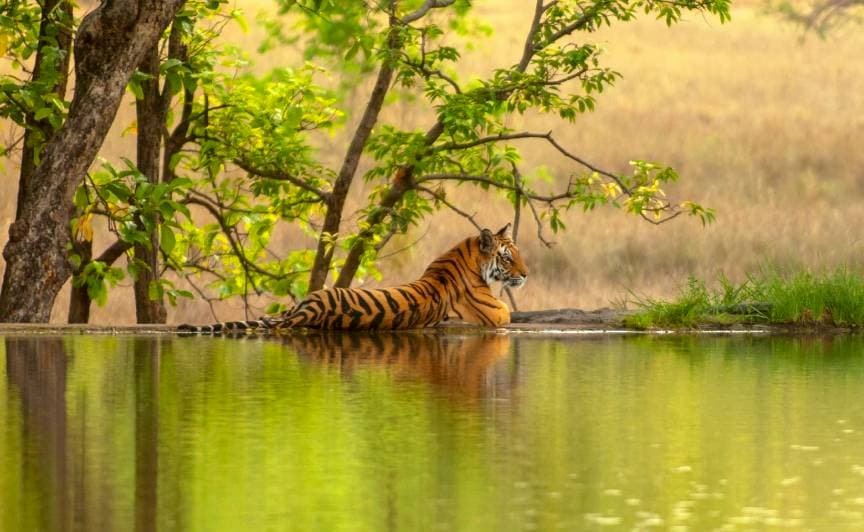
[155, 291]
[43, 113]
[166, 239]
[136, 89]
[238, 17]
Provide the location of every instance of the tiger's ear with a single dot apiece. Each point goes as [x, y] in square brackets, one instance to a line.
[504, 232]
[487, 241]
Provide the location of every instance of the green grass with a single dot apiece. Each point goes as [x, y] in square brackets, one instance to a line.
[769, 297]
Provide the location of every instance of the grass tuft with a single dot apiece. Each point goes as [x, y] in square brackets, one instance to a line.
[770, 297]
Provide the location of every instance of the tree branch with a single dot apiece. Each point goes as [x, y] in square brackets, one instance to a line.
[439, 196]
[232, 241]
[282, 176]
[113, 252]
[529, 49]
[490, 139]
[421, 11]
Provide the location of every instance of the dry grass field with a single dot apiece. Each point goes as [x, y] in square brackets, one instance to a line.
[763, 126]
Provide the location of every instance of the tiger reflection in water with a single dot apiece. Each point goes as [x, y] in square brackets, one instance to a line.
[460, 364]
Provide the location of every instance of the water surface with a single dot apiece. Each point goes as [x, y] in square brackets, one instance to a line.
[431, 431]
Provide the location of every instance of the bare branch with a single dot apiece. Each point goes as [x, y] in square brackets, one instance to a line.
[568, 193]
[530, 49]
[405, 248]
[203, 296]
[490, 139]
[517, 207]
[421, 11]
[439, 196]
[113, 252]
[232, 240]
[587, 165]
[659, 221]
[539, 223]
[577, 24]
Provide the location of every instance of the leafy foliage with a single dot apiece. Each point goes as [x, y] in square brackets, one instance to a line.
[31, 101]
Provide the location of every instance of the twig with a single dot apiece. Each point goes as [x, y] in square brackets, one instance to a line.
[406, 248]
[439, 196]
[283, 176]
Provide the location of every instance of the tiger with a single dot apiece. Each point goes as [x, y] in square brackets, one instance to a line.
[464, 366]
[456, 285]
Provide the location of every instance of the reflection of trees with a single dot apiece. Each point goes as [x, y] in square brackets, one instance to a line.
[67, 462]
[462, 365]
[146, 364]
[36, 368]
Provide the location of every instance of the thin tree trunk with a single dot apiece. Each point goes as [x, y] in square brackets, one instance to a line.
[110, 43]
[179, 137]
[336, 200]
[403, 181]
[151, 121]
[55, 13]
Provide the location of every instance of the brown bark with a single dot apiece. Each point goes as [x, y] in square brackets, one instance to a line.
[80, 302]
[111, 42]
[150, 112]
[336, 200]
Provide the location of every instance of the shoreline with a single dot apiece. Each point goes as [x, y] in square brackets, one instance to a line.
[557, 321]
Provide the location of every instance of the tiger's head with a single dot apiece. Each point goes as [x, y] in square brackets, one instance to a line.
[500, 259]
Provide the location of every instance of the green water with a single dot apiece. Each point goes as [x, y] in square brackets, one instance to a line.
[429, 432]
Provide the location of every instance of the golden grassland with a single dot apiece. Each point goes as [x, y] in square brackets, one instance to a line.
[763, 126]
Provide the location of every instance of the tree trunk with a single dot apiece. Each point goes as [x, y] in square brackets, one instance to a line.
[146, 370]
[79, 299]
[111, 42]
[55, 13]
[80, 302]
[403, 181]
[151, 121]
[333, 218]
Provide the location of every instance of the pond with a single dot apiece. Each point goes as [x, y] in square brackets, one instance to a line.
[426, 431]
